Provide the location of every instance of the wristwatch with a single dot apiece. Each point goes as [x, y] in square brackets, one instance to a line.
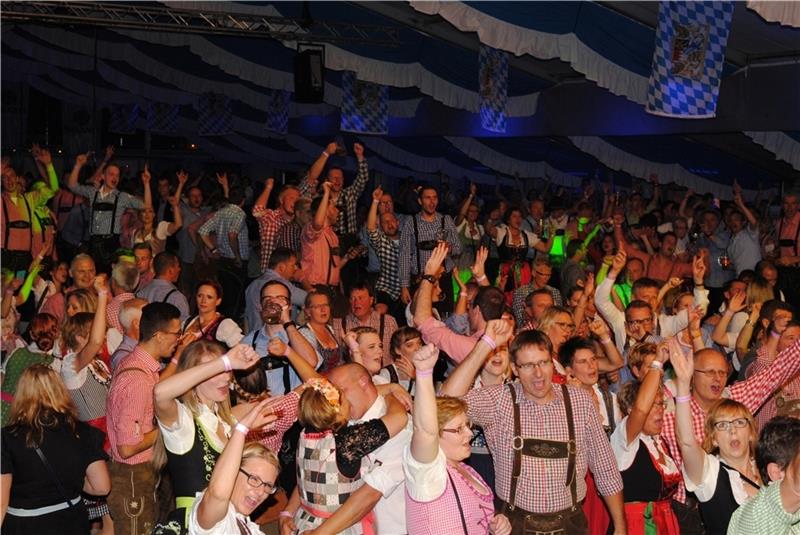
[429, 278]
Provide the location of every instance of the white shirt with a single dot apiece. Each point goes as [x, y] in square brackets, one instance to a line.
[227, 526]
[179, 437]
[626, 453]
[705, 489]
[502, 230]
[604, 416]
[383, 471]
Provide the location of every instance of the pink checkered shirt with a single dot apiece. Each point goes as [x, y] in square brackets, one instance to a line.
[752, 393]
[789, 391]
[270, 223]
[542, 484]
[113, 308]
[129, 406]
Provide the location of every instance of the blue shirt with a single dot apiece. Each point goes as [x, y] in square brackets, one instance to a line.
[275, 378]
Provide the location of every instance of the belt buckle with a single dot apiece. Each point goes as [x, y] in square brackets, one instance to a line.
[514, 443]
[571, 448]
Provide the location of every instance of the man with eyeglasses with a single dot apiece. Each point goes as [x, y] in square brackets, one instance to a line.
[276, 322]
[532, 427]
[542, 271]
[129, 414]
[710, 375]
[284, 267]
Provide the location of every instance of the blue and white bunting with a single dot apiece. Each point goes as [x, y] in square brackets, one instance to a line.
[214, 115]
[124, 118]
[162, 117]
[688, 58]
[365, 106]
[493, 88]
[278, 103]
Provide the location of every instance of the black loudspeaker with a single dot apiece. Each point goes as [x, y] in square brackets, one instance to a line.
[309, 75]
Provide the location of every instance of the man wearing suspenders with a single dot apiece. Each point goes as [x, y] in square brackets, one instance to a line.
[107, 205]
[542, 437]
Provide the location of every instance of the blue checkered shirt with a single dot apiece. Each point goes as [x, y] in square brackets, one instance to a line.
[229, 219]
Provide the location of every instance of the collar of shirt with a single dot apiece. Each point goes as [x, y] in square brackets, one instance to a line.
[148, 361]
[104, 192]
[376, 410]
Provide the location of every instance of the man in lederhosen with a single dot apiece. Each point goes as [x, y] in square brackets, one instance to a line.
[107, 205]
[542, 437]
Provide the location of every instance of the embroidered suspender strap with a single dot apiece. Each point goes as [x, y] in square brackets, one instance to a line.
[571, 478]
[30, 219]
[609, 403]
[458, 502]
[330, 261]
[517, 466]
[53, 476]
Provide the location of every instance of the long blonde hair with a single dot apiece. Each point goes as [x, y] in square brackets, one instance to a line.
[41, 401]
[192, 356]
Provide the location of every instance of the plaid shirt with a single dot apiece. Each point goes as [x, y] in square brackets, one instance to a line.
[228, 219]
[788, 391]
[388, 251]
[541, 487]
[752, 393]
[270, 223]
[346, 223]
[409, 251]
[518, 301]
[113, 308]
[289, 236]
[101, 223]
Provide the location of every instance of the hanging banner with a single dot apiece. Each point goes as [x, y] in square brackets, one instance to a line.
[493, 87]
[365, 106]
[123, 118]
[688, 58]
[214, 115]
[278, 104]
[162, 118]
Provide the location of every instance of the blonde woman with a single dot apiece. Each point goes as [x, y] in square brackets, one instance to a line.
[44, 431]
[156, 235]
[736, 314]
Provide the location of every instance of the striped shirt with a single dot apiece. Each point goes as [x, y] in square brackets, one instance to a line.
[412, 258]
[270, 223]
[229, 219]
[388, 251]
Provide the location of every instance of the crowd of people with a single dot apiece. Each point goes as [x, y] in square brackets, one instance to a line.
[552, 361]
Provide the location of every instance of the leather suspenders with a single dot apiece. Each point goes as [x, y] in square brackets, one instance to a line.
[548, 449]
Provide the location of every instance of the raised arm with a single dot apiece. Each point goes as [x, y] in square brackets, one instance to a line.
[646, 396]
[214, 503]
[460, 381]
[622, 242]
[479, 266]
[737, 198]
[263, 198]
[743, 340]
[613, 358]
[98, 173]
[304, 369]
[318, 223]
[720, 334]
[319, 163]
[362, 176]
[462, 213]
[222, 179]
[148, 196]
[97, 336]
[80, 161]
[693, 454]
[425, 440]
[424, 299]
[372, 216]
[168, 390]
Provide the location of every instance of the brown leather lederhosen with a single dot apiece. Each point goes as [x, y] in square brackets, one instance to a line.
[557, 523]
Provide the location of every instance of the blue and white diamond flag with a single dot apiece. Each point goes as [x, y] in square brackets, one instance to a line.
[365, 106]
[493, 87]
[688, 58]
[123, 118]
[214, 115]
[278, 103]
[162, 117]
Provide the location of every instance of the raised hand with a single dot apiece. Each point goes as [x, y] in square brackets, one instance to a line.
[377, 194]
[461, 286]
[260, 415]
[499, 330]
[331, 148]
[599, 328]
[270, 183]
[683, 366]
[358, 150]
[183, 177]
[222, 179]
[473, 190]
[109, 152]
[618, 264]
[478, 267]
[698, 269]
[588, 286]
[146, 174]
[695, 313]
[351, 339]
[737, 302]
[326, 187]
[436, 259]
[101, 283]
[406, 366]
[81, 159]
[425, 357]
[276, 347]
[44, 157]
[242, 357]
[674, 282]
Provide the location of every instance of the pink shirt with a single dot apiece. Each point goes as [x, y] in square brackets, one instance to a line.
[55, 305]
[457, 346]
[129, 406]
[319, 265]
[19, 239]
[113, 308]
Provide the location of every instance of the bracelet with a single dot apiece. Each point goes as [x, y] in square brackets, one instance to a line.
[227, 362]
[243, 429]
[656, 365]
[775, 334]
[289, 324]
[325, 153]
[286, 514]
[286, 351]
[174, 361]
[463, 295]
[424, 373]
[481, 278]
[489, 342]
[748, 321]
[696, 334]
[102, 292]
[605, 340]
[683, 399]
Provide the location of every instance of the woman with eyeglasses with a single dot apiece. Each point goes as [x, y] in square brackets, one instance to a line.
[243, 477]
[209, 324]
[721, 472]
[649, 474]
[318, 330]
[194, 415]
[439, 484]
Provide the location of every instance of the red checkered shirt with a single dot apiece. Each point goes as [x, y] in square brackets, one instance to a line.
[542, 484]
[752, 393]
[270, 223]
[113, 308]
[788, 391]
[286, 408]
[129, 406]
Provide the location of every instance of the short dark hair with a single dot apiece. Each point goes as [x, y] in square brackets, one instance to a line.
[529, 338]
[156, 317]
[236, 195]
[142, 246]
[540, 291]
[566, 353]
[210, 282]
[645, 282]
[490, 301]
[729, 284]
[400, 337]
[279, 256]
[274, 283]
[637, 303]
[163, 261]
[779, 443]
[362, 284]
[425, 188]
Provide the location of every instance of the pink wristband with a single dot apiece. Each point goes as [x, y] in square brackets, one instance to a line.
[286, 353]
[227, 362]
[174, 361]
[605, 341]
[481, 278]
[491, 343]
[243, 429]
[424, 373]
[775, 334]
[286, 514]
[102, 292]
[683, 399]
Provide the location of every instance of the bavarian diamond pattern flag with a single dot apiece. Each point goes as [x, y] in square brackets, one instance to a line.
[278, 102]
[365, 106]
[688, 58]
[214, 115]
[161, 117]
[123, 118]
[493, 87]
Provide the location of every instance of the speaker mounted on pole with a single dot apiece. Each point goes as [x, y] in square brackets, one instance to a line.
[309, 74]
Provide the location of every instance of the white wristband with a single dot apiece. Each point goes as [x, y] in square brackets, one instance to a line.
[227, 362]
[243, 429]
